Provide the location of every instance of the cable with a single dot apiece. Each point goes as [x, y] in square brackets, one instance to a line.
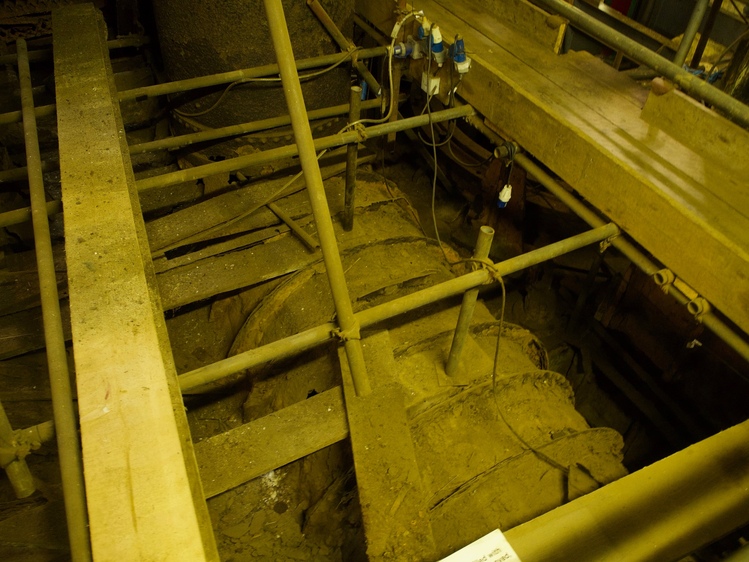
[741, 15]
[465, 164]
[541, 456]
[726, 50]
[434, 156]
[347, 55]
[200, 236]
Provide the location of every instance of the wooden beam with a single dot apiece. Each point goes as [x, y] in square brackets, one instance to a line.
[144, 496]
[391, 491]
[253, 449]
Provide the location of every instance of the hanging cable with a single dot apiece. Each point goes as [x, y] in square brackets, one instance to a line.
[302, 77]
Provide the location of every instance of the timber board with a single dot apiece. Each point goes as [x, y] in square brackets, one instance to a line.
[144, 497]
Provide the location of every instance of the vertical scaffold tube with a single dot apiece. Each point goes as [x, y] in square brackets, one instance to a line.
[481, 252]
[69, 447]
[349, 327]
[352, 152]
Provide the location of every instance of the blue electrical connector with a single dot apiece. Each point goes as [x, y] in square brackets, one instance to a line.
[504, 196]
[458, 54]
[437, 46]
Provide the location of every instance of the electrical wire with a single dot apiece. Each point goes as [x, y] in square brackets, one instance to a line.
[201, 236]
[346, 56]
[733, 44]
[434, 156]
[739, 12]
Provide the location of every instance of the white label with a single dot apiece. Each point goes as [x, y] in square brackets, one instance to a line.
[490, 548]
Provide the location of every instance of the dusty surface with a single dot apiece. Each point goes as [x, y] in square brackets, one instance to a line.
[478, 467]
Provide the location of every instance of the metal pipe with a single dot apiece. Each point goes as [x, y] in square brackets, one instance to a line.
[693, 26]
[40, 433]
[17, 116]
[650, 268]
[19, 216]
[268, 156]
[16, 174]
[69, 448]
[344, 44]
[707, 30]
[188, 84]
[733, 108]
[661, 512]
[243, 129]
[38, 55]
[16, 468]
[349, 328]
[481, 252]
[298, 343]
[21, 173]
[239, 75]
[352, 151]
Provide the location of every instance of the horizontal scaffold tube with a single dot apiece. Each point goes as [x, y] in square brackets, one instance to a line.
[171, 143]
[23, 214]
[207, 81]
[293, 345]
[632, 49]
[239, 75]
[272, 155]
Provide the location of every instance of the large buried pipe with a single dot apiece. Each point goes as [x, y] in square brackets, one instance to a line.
[733, 108]
[316, 191]
[293, 345]
[68, 444]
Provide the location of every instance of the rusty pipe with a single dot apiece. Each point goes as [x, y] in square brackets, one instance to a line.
[352, 151]
[344, 44]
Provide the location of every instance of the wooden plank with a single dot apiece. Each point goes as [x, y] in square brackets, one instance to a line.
[726, 144]
[672, 200]
[20, 290]
[19, 280]
[209, 277]
[26, 378]
[251, 450]
[188, 224]
[391, 492]
[531, 21]
[23, 331]
[219, 248]
[144, 496]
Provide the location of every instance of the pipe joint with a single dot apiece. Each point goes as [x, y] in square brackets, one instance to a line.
[18, 451]
[698, 307]
[606, 244]
[351, 333]
[664, 278]
[507, 150]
